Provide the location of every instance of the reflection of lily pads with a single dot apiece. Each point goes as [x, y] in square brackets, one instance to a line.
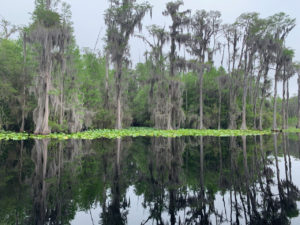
[136, 132]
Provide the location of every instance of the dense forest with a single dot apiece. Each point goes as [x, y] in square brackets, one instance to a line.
[197, 73]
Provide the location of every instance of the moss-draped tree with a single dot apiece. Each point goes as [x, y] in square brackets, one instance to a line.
[121, 19]
[48, 34]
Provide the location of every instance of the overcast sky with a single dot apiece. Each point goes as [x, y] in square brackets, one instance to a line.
[88, 18]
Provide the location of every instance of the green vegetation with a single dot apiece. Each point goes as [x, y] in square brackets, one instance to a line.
[137, 132]
[56, 87]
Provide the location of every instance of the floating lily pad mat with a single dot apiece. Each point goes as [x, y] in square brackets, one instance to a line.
[136, 132]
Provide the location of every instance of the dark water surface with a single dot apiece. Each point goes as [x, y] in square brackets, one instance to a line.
[190, 180]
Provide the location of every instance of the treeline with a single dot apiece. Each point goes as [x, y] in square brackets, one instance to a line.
[198, 72]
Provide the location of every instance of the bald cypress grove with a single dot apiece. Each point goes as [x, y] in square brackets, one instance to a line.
[197, 72]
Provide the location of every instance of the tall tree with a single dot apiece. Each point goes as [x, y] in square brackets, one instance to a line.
[121, 19]
[204, 26]
[23, 101]
[266, 56]
[287, 73]
[297, 69]
[249, 25]
[46, 33]
[281, 25]
[180, 20]
[158, 76]
[232, 36]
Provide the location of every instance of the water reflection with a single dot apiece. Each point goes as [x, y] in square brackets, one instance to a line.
[191, 180]
[116, 211]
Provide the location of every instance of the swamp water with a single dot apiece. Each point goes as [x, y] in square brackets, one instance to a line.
[188, 180]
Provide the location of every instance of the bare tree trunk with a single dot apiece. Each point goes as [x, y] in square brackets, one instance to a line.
[118, 92]
[298, 110]
[232, 108]
[43, 103]
[283, 103]
[233, 87]
[244, 125]
[61, 102]
[201, 99]
[169, 110]
[263, 96]
[260, 114]
[23, 110]
[106, 80]
[61, 115]
[24, 80]
[186, 100]
[245, 89]
[220, 104]
[287, 104]
[223, 55]
[45, 128]
[171, 84]
[275, 103]
[251, 87]
[256, 95]
[42, 111]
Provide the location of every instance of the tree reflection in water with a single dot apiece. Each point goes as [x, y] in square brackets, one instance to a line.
[191, 180]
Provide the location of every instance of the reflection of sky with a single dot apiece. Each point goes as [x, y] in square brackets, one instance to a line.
[296, 181]
[137, 213]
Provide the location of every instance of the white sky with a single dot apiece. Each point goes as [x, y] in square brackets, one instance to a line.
[88, 18]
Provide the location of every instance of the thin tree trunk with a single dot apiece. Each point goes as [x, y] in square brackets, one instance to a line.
[169, 106]
[220, 104]
[223, 55]
[260, 110]
[232, 108]
[24, 80]
[287, 104]
[251, 87]
[233, 87]
[23, 110]
[245, 88]
[61, 104]
[244, 125]
[171, 84]
[283, 103]
[186, 100]
[118, 92]
[256, 95]
[45, 129]
[61, 114]
[106, 80]
[201, 99]
[263, 96]
[260, 114]
[275, 103]
[298, 110]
